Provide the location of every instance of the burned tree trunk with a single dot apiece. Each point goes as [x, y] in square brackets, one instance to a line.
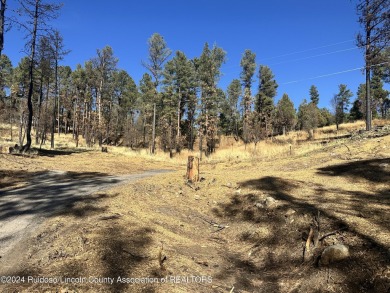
[193, 169]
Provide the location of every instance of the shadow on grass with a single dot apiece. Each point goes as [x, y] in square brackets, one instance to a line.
[274, 262]
[375, 170]
[120, 252]
[60, 152]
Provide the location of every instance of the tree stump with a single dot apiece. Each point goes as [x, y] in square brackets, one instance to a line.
[104, 149]
[193, 169]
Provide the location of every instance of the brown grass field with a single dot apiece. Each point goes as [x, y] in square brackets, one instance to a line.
[216, 235]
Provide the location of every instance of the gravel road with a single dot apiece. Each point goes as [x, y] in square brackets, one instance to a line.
[22, 210]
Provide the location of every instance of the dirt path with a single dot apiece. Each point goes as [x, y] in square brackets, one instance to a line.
[22, 210]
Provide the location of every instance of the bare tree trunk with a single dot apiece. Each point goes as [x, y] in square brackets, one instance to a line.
[368, 99]
[368, 69]
[200, 145]
[154, 129]
[58, 101]
[31, 80]
[21, 122]
[2, 21]
[11, 124]
[178, 121]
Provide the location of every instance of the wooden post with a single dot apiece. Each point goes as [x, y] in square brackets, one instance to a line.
[193, 169]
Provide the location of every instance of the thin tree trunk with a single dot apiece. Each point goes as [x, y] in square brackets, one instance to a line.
[31, 80]
[58, 102]
[2, 21]
[154, 128]
[368, 69]
[11, 124]
[21, 122]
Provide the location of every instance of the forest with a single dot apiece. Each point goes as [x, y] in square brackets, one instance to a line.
[178, 101]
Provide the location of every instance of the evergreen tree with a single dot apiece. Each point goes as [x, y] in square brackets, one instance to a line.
[209, 73]
[158, 54]
[314, 95]
[79, 102]
[285, 119]
[308, 117]
[35, 14]
[341, 102]
[248, 64]
[326, 118]
[264, 104]
[355, 113]
[7, 100]
[104, 64]
[380, 96]
[124, 106]
[177, 87]
[375, 20]
[230, 112]
[147, 99]
[6, 70]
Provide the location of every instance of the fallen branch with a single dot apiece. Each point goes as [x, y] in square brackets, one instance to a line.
[214, 224]
[189, 185]
[203, 263]
[135, 255]
[348, 149]
[332, 233]
[194, 188]
[306, 248]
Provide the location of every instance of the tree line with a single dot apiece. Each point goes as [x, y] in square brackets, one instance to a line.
[176, 103]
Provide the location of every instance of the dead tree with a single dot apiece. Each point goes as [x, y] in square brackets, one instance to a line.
[193, 169]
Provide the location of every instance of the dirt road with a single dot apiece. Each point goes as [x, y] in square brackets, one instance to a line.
[22, 210]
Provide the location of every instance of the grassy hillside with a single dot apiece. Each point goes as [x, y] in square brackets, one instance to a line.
[222, 227]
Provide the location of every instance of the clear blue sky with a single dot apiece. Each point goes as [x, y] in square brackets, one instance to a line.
[322, 32]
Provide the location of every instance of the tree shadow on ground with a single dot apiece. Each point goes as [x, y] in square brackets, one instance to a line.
[374, 170]
[119, 252]
[122, 253]
[51, 192]
[276, 255]
[60, 152]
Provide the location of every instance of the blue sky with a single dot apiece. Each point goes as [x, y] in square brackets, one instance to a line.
[298, 40]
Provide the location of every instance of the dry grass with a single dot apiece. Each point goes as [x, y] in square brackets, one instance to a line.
[260, 251]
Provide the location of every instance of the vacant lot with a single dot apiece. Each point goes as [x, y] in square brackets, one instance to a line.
[221, 234]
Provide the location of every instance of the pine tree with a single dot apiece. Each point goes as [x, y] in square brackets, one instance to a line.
[179, 91]
[308, 117]
[285, 119]
[230, 113]
[209, 73]
[375, 39]
[355, 113]
[158, 55]
[35, 13]
[264, 104]
[147, 99]
[125, 96]
[380, 96]
[105, 64]
[314, 95]
[248, 64]
[341, 102]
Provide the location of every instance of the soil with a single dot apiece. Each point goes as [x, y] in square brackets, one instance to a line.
[222, 234]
